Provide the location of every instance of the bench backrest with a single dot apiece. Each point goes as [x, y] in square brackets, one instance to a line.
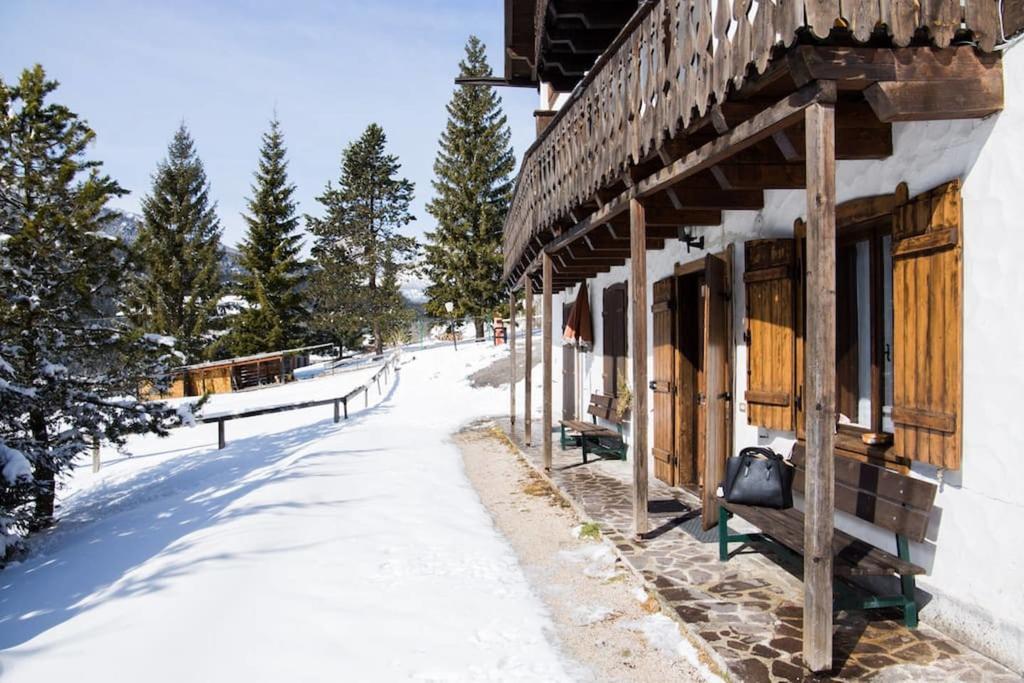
[604, 407]
[887, 499]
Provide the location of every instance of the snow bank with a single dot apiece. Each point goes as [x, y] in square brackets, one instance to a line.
[303, 551]
[14, 465]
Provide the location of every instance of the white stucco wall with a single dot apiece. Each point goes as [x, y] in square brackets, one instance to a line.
[974, 552]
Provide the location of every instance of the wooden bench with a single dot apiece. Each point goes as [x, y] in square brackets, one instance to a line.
[889, 500]
[594, 438]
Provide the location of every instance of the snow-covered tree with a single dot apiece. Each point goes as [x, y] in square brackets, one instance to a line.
[69, 374]
[360, 253]
[473, 189]
[274, 316]
[178, 289]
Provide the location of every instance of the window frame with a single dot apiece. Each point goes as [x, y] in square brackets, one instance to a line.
[874, 232]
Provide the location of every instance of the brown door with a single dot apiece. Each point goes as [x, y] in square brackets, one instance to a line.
[689, 351]
[663, 380]
[568, 372]
[716, 401]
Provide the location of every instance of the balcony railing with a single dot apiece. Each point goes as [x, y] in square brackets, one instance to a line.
[671, 62]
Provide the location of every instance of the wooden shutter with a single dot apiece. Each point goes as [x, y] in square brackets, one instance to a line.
[663, 379]
[928, 325]
[770, 333]
[613, 315]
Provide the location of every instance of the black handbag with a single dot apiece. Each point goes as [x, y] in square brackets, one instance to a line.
[758, 476]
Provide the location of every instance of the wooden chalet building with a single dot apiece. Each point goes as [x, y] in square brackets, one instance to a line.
[800, 223]
[242, 372]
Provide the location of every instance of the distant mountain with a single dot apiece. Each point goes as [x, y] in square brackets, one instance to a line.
[126, 226]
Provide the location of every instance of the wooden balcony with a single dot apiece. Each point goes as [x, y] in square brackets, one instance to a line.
[683, 75]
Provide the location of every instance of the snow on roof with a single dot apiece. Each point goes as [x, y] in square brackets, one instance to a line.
[252, 358]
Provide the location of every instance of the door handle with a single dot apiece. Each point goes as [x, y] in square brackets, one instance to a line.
[653, 385]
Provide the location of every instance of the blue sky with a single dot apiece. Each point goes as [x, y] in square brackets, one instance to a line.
[134, 69]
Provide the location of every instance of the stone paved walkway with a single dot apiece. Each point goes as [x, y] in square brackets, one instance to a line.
[747, 612]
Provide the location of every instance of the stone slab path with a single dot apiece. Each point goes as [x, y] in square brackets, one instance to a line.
[748, 611]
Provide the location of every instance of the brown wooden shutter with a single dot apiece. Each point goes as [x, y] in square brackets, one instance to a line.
[928, 325]
[770, 333]
[663, 385]
[613, 315]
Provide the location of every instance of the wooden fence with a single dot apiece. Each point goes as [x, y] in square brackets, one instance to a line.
[670, 63]
[340, 403]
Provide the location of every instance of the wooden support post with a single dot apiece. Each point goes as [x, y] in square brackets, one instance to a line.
[512, 358]
[95, 454]
[366, 397]
[221, 441]
[344, 406]
[528, 373]
[337, 410]
[638, 314]
[820, 385]
[546, 340]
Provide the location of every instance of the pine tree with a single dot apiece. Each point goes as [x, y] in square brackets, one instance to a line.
[179, 254]
[274, 317]
[473, 190]
[68, 373]
[359, 251]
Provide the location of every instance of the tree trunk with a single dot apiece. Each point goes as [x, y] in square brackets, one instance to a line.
[479, 324]
[378, 343]
[44, 475]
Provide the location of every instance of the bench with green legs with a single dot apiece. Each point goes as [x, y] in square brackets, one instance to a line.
[894, 502]
[593, 438]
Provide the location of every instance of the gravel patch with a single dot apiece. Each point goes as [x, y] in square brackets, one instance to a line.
[604, 620]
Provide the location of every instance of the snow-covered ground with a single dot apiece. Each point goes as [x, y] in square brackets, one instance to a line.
[304, 551]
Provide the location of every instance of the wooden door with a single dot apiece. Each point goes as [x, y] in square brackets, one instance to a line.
[717, 401]
[568, 372]
[663, 380]
[689, 343]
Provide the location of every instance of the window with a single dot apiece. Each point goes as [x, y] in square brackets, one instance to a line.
[864, 327]
[899, 328]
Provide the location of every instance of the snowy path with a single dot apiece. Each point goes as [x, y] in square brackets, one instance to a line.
[304, 551]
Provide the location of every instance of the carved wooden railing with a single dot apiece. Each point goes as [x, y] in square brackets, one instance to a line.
[670, 63]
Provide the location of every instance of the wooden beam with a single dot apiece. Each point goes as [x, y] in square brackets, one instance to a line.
[638, 313]
[528, 372]
[855, 68]
[820, 382]
[775, 118]
[761, 176]
[512, 358]
[712, 200]
[939, 99]
[546, 336]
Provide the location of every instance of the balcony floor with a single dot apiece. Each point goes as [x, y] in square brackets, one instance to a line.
[747, 612]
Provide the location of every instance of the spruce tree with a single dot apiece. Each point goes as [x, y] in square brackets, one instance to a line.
[359, 250]
[69, 374]
[473, 189]
[274, 317]
[179, 254]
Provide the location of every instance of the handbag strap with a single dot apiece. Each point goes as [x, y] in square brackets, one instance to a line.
[750, 452]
